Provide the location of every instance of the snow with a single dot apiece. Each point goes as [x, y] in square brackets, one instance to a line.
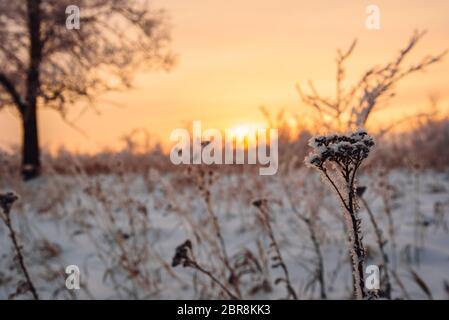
[95, 222]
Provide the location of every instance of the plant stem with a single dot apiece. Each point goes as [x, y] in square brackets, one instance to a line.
[18, 250]
[381, 244]
[195, 265]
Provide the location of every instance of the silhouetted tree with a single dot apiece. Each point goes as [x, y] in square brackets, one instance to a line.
[45, 64]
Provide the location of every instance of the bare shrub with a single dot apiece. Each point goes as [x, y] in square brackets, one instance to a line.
[351, 107]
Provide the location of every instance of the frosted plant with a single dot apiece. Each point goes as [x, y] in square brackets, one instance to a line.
[276, 256]
[184, 256]
[6, 202]
[338, 157]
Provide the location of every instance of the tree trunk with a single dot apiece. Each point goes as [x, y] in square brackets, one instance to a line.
[30, 160]
[30, 145]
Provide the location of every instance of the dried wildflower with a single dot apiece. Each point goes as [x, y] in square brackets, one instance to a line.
[276, 256]
[182, 254]
[342, 149]
[258, 203]
[7, 200]
[345, 152]
[205, 179]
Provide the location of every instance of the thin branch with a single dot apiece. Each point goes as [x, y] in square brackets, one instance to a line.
[10, 88]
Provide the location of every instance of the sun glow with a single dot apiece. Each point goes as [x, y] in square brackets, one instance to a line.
[246, 132]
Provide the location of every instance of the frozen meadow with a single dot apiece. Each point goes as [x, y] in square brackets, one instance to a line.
[122, 230]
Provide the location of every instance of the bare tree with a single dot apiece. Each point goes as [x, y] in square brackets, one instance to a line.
[45, 64]
[352, 106]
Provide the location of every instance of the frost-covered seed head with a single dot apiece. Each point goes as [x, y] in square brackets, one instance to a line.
[349, 148]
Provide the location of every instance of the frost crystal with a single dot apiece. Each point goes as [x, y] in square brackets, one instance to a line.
[343, 149]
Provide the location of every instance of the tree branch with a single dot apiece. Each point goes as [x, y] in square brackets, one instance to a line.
[10, 88]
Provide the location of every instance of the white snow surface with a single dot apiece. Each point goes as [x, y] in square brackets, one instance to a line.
[98, 222]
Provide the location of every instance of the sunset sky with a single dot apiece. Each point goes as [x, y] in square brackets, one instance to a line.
[237, 55]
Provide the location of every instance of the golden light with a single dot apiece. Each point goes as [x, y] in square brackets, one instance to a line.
[240, 132]
[246, 132]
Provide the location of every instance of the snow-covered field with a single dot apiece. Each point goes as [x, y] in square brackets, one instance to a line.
[122, 231]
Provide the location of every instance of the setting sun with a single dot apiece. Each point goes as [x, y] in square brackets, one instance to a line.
[246, 132]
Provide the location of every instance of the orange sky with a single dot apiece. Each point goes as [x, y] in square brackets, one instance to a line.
[236, 55]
